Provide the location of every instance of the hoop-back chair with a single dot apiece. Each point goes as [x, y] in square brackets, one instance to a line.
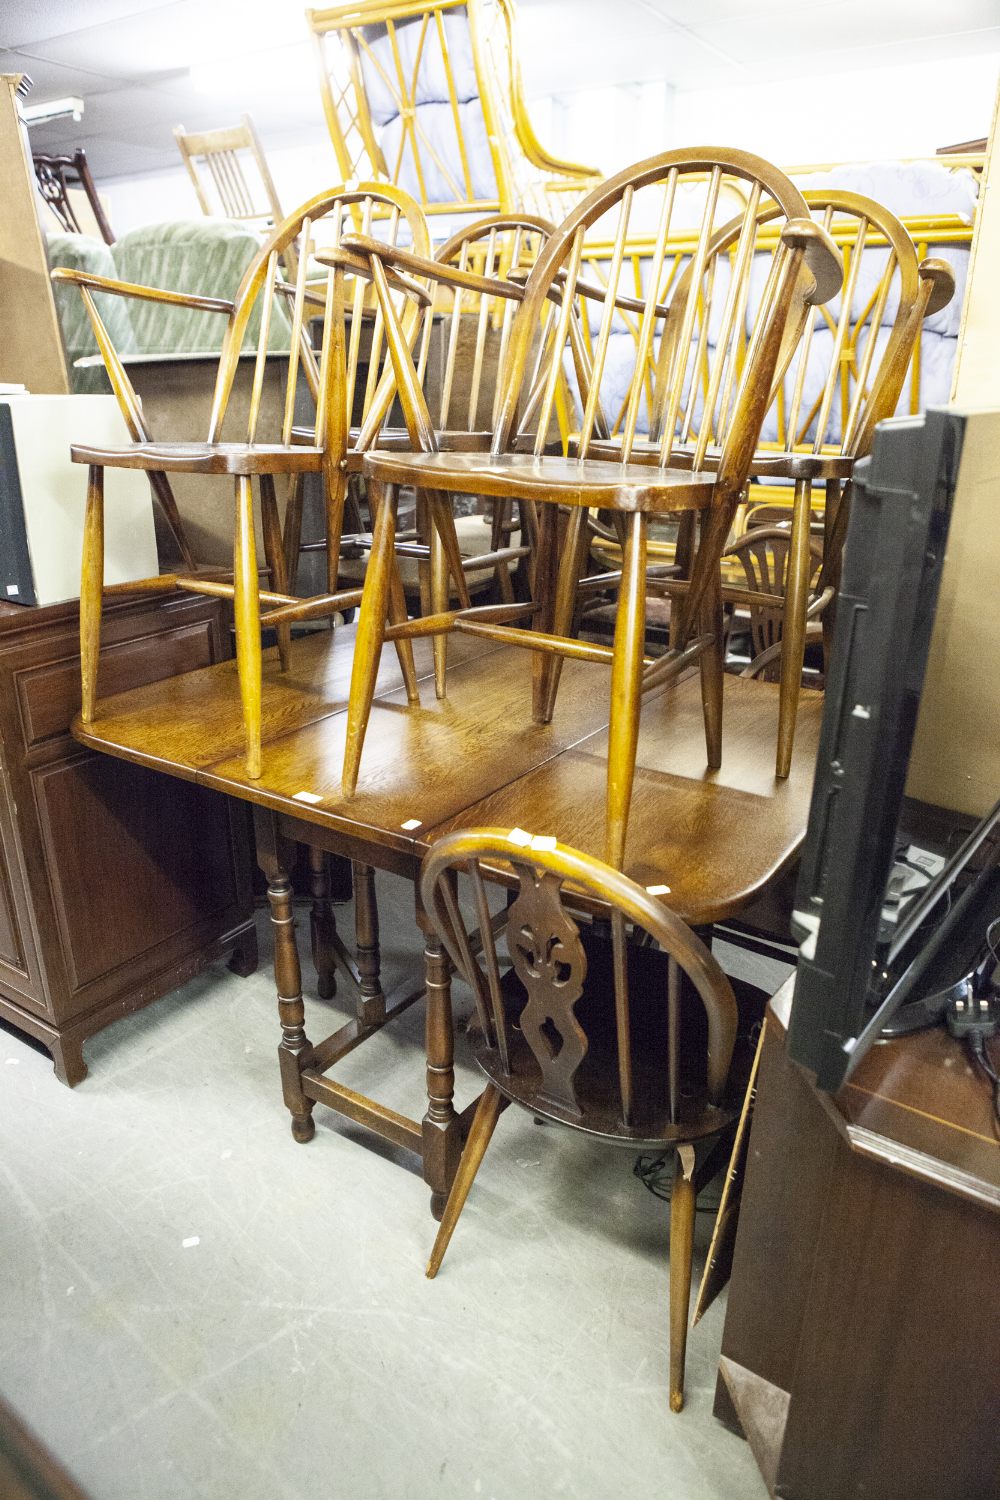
[231, 178]
[763, 558]
[845, 375]
[254, 456]
[804, 267]
[588, 1028]
[56, 176]
[469, 327]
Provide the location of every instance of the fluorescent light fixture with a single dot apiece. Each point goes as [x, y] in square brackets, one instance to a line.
[57, 109]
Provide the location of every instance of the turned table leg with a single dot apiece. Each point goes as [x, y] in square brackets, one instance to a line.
[371, 1000]
[275, 855]
[441, 1125]
[323, 924]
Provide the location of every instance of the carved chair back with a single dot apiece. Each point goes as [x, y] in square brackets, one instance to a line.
[55, 176]
[763, 556]
[598, 1055]
[427, 94]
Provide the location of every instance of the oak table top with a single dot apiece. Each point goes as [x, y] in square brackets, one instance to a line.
[716, 838]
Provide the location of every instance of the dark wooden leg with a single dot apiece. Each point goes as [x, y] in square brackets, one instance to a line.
[712, 666]
[371, 1000]
[571, 565]
[275, 856]
[322, 924]
[626, 688]
[488, 1111]
[244, 957]
[371, 630]
[500, 533]
[91, 592]
[682, 1205]
[274, 556]
[246, 611]
[292, 537]
[441, 1125]
[439, 601]
[546, 563]
[793, 629]
[67, 1060]
[336, 498]
[404, 646]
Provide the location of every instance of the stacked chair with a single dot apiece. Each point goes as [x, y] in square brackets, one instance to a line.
[494, 371]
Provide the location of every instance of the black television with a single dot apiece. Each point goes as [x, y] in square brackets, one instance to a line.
[897, 907]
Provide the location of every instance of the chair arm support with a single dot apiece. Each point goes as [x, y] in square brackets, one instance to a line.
[84, 279]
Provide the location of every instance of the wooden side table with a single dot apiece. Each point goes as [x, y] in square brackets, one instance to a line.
[859, 1351]
[116, 884]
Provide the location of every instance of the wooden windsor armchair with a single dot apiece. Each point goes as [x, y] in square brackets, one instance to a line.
[831, 386]
[587, 1027]
[253, 457]
[467, 328]
[804, 266]
[427, 94]
[763, 556]
[231, 178]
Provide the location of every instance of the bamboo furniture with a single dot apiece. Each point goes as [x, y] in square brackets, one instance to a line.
[243, 461]
[56, 176]
[715, 839]
[804, 267]
[427, 94]
[586, 1033]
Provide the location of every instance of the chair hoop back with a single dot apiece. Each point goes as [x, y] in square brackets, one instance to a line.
[547, 954]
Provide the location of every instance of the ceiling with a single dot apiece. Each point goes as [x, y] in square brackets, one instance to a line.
[144, 66]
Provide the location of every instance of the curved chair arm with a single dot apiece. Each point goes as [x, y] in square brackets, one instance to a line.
[604, 886]
[942, 279]
[344, 258]
[433, 270]
[84, 279]
[530, 144]
[821, 256]
[772, 654]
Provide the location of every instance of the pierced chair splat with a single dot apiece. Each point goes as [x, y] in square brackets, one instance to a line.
[803, 267]
[586, 1027]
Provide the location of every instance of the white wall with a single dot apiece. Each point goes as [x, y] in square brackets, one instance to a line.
[900, 111]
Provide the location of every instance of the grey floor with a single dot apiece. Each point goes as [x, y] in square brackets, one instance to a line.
[192, 1305]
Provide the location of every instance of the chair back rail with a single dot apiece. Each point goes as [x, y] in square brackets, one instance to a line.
[55, 176]
[544, 931]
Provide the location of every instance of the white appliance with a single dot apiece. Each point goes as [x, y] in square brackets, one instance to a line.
[43, 497]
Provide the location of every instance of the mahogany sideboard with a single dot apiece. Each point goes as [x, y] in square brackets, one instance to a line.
[859, 1354]
[116, 884]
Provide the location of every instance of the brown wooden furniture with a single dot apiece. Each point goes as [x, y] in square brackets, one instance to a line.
[859, 1351]
[31, 352]
[829, 391]
[715, 839]
[764, 556]
[222, 185]
[584, 1034]
[805, 267]
[27, 1470]
[116, 885]
[55, 176]
[250, 458]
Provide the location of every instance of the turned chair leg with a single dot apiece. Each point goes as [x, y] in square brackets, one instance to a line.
[571, 566]
[292, 536]
[371, 629]
[246, 612]
[626, 688]
[276, 559]
[544, 595]
[682, 1208]
[488, 1111]
[446, 559]
[404, 646]
[91, 592]
[712, 668]
[793, 628]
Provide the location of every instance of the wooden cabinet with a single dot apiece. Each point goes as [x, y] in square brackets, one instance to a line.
[116, 883]
[859, 1355]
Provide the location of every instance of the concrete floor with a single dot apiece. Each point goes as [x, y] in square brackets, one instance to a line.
[192, 1305]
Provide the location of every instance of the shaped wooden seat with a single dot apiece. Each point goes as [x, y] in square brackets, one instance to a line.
[205, 458]
[545, 345]
[586, 1027]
